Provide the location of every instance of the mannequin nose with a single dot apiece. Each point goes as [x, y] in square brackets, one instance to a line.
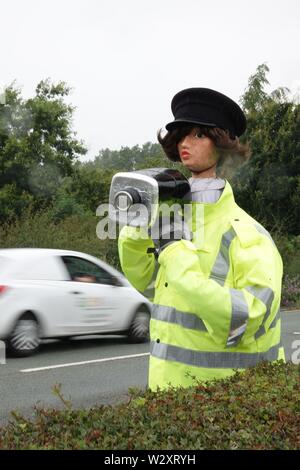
[184, 142]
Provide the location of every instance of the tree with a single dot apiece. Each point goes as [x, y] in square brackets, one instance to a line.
[268, 186]
[90, 185]
[255, 96]
[130, 159]
[37, 146]
[91, 181]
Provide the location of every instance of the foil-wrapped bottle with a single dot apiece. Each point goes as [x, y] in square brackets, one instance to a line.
[135, 196]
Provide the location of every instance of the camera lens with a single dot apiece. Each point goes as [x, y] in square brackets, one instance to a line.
[126, 198]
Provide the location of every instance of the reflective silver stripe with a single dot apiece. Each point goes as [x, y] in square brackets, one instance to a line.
[266, 295]
[149, 292]
[239, 317]
[262, 230]
[231, 360]
[276, 319]
[154, 275]
[171, 315]
[221, 266]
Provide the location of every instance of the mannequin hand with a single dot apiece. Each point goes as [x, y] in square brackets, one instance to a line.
[166, 231]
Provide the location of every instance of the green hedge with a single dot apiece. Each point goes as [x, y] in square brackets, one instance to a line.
[258, 409]
[76, 232]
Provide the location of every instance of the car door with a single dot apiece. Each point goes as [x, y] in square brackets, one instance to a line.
[44, 287]
[93, 292]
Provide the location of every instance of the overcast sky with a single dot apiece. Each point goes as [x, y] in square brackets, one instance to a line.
[125, 59]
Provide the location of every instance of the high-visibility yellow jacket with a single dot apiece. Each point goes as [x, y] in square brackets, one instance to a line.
[216, 304]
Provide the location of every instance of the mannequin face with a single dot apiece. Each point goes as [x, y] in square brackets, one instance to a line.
[198, 153]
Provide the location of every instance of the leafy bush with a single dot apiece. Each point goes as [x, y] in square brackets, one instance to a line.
[290, 291]
[289, 248]
[76, 232]
[66, 206]
[258, 409]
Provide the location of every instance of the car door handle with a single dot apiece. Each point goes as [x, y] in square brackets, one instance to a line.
[76, 292]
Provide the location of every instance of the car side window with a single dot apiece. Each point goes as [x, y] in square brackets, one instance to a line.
[82, 270]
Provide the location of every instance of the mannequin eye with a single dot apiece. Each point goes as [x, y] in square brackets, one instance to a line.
[199, 135]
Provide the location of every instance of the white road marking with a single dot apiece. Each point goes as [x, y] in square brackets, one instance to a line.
[296, 332]
[37, 369]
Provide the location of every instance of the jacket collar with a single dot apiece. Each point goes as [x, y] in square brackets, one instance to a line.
[219, 209]
[204, 214]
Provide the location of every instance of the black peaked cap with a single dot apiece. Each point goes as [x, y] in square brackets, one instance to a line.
[205, 107]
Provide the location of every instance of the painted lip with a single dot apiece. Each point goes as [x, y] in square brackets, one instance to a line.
[185, 154]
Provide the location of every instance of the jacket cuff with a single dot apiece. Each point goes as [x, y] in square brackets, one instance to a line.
[134, 233]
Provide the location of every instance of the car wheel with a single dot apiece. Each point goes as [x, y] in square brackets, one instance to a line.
[24, 340]
[139, 328]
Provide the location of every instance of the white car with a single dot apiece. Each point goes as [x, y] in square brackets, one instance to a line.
[47, 293]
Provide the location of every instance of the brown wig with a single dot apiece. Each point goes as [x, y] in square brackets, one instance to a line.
[231, 151]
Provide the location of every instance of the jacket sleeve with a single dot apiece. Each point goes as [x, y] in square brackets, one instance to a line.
[229, 314]
[137, 265]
